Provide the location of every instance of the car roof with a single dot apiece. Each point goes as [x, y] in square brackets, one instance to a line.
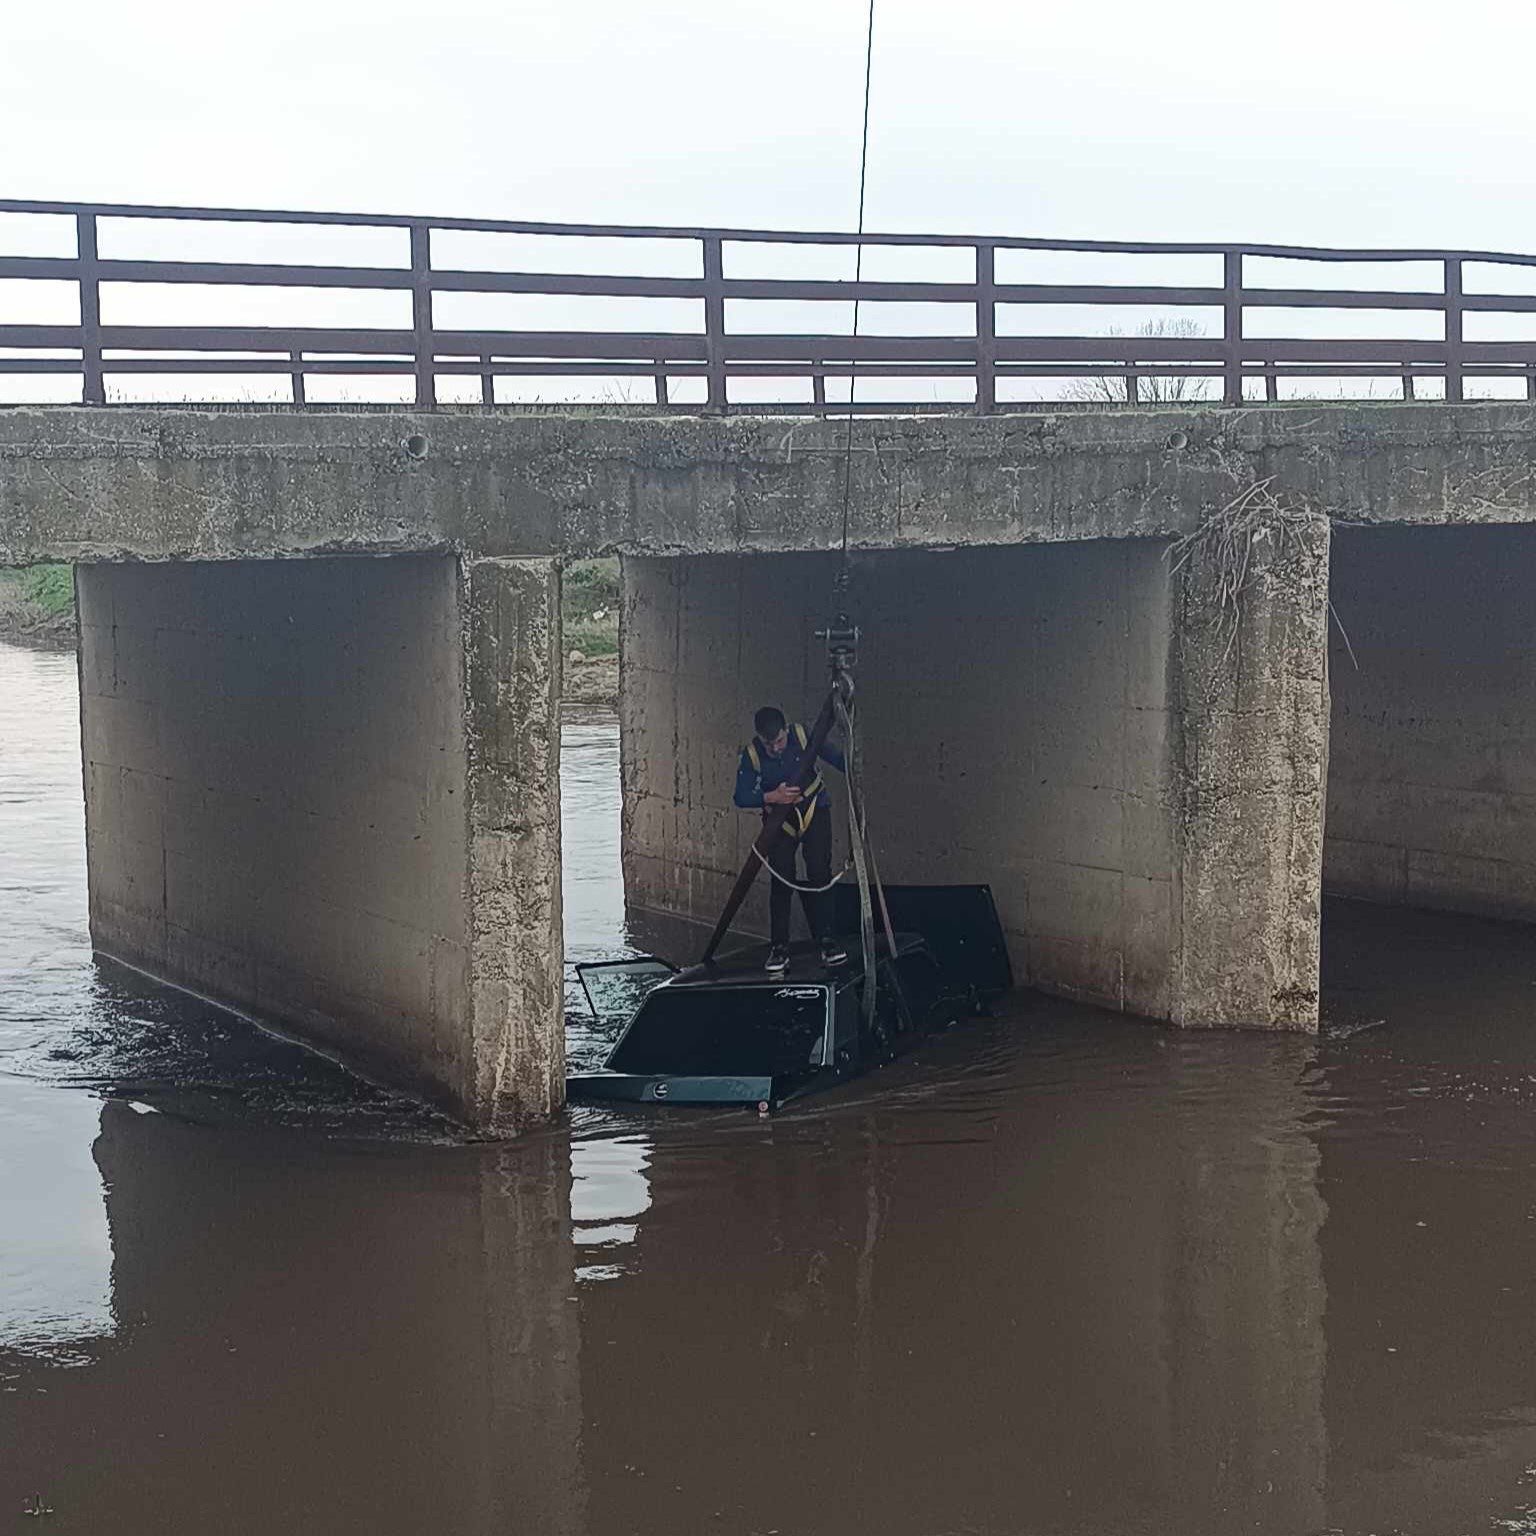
[744, 967]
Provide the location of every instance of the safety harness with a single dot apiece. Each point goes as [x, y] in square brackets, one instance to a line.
[798, 822]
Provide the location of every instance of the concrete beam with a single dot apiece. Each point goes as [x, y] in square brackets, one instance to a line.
[325, 793]
[156, 484]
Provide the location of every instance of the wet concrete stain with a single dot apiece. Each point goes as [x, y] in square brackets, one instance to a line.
[1060, 1273]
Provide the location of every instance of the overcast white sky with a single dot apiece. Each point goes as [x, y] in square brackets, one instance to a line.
[1339, 123]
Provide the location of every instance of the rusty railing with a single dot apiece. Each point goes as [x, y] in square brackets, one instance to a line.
[982, 351]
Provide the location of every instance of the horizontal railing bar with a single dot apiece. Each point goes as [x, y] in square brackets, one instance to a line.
[252, 274]
[812, 349]
[1341, 298]
[399, 279]
[598, 369]
[1327, 298]
[792, 237]
[50, 267]
[396, 367]
[1103, 293]
[40, 336]
[40, 365]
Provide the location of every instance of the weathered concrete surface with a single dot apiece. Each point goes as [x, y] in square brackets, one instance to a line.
[1151, 831]
[512, 696]
[82, 484]
[295, 777]
[1251, 695]
[1432, 780]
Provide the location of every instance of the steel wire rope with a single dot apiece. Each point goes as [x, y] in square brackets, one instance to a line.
[842, 685]
[858, 274]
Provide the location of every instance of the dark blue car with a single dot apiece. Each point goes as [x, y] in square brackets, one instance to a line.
[726, 1033]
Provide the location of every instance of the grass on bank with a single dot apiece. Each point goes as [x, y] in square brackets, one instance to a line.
[590, 602]
[48, 588]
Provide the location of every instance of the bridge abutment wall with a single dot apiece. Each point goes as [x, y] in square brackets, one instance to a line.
[1432, 779]
[324, 792]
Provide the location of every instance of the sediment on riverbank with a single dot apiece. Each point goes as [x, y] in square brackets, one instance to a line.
[592, 683]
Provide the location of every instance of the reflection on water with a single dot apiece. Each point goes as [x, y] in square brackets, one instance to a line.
[609, 1191]
[55, 1255]
[1057, 1273]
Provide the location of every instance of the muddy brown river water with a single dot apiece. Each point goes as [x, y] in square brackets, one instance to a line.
[1060, 1273]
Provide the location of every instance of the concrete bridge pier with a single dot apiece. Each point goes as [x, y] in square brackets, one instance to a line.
[1128, 751]
[325, 792]
[1252, 726]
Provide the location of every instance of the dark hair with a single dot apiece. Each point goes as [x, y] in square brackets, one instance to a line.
[768, 722]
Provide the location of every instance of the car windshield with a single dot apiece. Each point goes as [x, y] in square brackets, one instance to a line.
[725, 1032]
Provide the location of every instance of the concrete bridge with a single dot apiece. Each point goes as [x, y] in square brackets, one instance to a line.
[319, 657]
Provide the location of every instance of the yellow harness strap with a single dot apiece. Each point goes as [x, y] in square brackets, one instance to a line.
[799, 819]
[798, 822]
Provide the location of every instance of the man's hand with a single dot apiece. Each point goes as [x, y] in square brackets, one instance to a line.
[785, 794]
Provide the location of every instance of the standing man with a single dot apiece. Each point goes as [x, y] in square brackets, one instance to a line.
[765, 777]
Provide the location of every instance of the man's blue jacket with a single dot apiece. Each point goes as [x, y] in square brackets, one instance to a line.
[758, 771]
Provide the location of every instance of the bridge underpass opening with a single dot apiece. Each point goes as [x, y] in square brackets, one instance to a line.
[324, 792]
[1432, 764]
[1025, 724]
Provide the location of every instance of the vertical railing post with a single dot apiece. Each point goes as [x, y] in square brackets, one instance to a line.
[1133, 388]
[1453, 357]
[421, 316]
[986, 330]
[1232, 326]
[714, 319]
[663, 391]
[487, 381]
[93, 388]
[296, 378]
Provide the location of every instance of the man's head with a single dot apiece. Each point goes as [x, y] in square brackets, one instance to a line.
[771, 728]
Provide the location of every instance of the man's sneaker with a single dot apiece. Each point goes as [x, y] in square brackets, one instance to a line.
[778, 959]
[833, 953]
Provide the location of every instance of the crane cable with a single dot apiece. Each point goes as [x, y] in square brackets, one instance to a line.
[858, 274]
[862, 856]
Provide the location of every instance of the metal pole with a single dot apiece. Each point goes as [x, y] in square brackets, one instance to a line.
[93, 389]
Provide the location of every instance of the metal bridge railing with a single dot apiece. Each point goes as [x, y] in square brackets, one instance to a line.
[981, 350]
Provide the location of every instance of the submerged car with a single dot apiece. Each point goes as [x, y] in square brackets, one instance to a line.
[730, 1033]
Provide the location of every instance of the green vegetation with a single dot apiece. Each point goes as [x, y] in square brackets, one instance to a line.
[38, 601]
[591, 607]
[49, 587]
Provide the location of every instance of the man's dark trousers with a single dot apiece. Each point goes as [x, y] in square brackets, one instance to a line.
[817, 843]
